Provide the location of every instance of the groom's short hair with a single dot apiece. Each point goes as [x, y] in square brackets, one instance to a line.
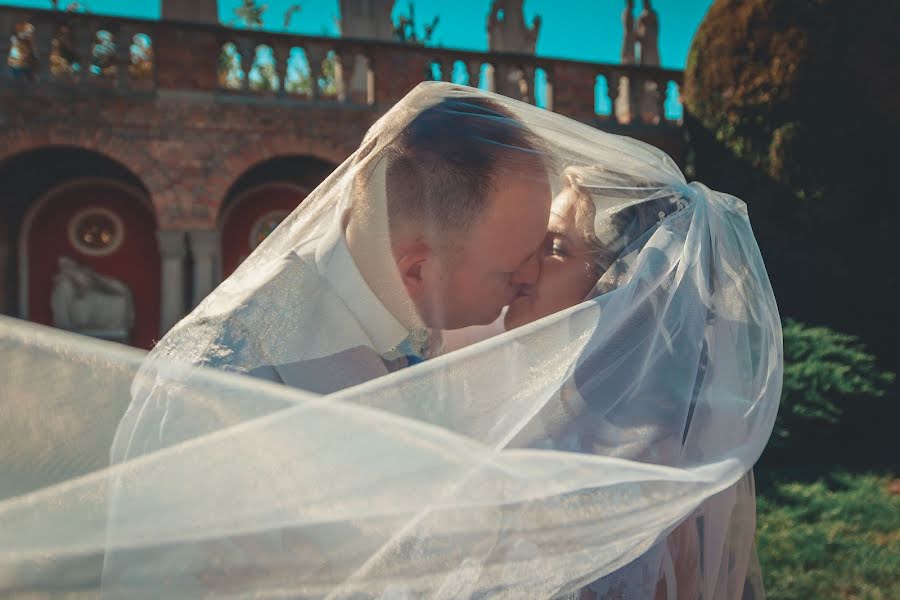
[445, 161]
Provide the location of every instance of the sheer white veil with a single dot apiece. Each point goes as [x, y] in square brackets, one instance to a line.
[446, 479]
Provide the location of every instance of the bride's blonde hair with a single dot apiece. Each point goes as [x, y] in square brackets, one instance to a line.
[609, 231]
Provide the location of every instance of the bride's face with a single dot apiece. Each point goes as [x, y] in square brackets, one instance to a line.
[567, 267]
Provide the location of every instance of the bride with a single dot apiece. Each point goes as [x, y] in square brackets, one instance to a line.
[600, 446]
[584, 256]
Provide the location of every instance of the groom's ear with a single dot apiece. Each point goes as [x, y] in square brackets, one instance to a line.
[412, 263]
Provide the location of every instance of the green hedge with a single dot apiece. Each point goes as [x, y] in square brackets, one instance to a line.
[828, 376]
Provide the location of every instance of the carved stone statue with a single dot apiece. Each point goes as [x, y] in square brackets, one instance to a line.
[648, 41]
[86, 302]
[648, 36]
[508, 32]
[368, 20]
[626, 105]
[628, 37]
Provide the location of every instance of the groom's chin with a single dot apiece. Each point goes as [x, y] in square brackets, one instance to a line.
[473, 319]
[517, 313]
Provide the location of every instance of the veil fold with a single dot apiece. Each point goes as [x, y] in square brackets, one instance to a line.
[529, 465]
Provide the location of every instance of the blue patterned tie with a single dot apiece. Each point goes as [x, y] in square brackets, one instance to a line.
[409, 352]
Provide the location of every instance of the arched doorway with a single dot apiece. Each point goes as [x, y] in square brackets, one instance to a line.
[260, 199]
[77, 223]
[252, 216]
[101, 235]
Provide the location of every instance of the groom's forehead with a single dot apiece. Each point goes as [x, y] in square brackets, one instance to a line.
[518, 206]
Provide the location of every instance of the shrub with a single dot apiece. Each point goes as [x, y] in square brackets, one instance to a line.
[827, 375]
[837, 536]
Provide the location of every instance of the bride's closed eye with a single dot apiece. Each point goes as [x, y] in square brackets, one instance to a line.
[558, 248]
[555, 245]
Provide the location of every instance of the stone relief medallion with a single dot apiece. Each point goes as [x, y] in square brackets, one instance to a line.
[96, 231]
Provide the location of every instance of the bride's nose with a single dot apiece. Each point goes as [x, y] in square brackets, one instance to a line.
[529, 273]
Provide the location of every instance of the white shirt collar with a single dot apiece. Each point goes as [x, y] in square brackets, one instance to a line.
[336, 265]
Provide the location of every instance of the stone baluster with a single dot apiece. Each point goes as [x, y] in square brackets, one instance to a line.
[93, 34]
[123, 34]
[247, 47]
[548, 88]
[205, 251]
[343, 74]
[368, 61]
[172, 252]
[315, 54]
[83, 45]
[663, 85]
[7, 26]
[528, 87]
[490, 77]
[473, 70]
[504, 80]
[43, 45]
[612, 90]
[638, 90]
[281, 53]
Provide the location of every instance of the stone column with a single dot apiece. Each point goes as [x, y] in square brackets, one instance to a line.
[205, 245]
[172, 250]
[473, 70]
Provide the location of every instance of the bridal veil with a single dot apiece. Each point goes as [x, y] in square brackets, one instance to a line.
[446, 479]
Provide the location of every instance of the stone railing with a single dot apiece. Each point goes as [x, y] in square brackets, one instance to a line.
[49, 48]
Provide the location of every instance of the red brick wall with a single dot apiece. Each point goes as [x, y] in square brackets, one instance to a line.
[187, 148]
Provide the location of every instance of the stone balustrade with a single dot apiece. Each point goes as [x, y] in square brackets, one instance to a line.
[47, 48]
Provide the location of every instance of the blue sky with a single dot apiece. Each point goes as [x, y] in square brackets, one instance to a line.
[577, 29]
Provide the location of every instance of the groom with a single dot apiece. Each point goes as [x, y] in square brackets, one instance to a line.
[446, 219]
[443, 233]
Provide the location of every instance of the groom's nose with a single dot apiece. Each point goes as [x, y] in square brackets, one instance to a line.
[529, 272]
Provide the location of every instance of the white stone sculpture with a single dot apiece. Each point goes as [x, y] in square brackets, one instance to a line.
[86, 302]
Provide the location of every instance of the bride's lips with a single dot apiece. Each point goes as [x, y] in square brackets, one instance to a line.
[522, 292]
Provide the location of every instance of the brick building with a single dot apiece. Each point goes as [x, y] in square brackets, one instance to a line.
[141, 161]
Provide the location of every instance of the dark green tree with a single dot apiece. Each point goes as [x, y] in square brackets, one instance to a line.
[792, 107]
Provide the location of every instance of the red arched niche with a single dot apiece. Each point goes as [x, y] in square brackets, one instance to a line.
[135, 261]
[251, 211]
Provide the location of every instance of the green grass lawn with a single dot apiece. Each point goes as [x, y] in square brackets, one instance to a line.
[824, 536]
